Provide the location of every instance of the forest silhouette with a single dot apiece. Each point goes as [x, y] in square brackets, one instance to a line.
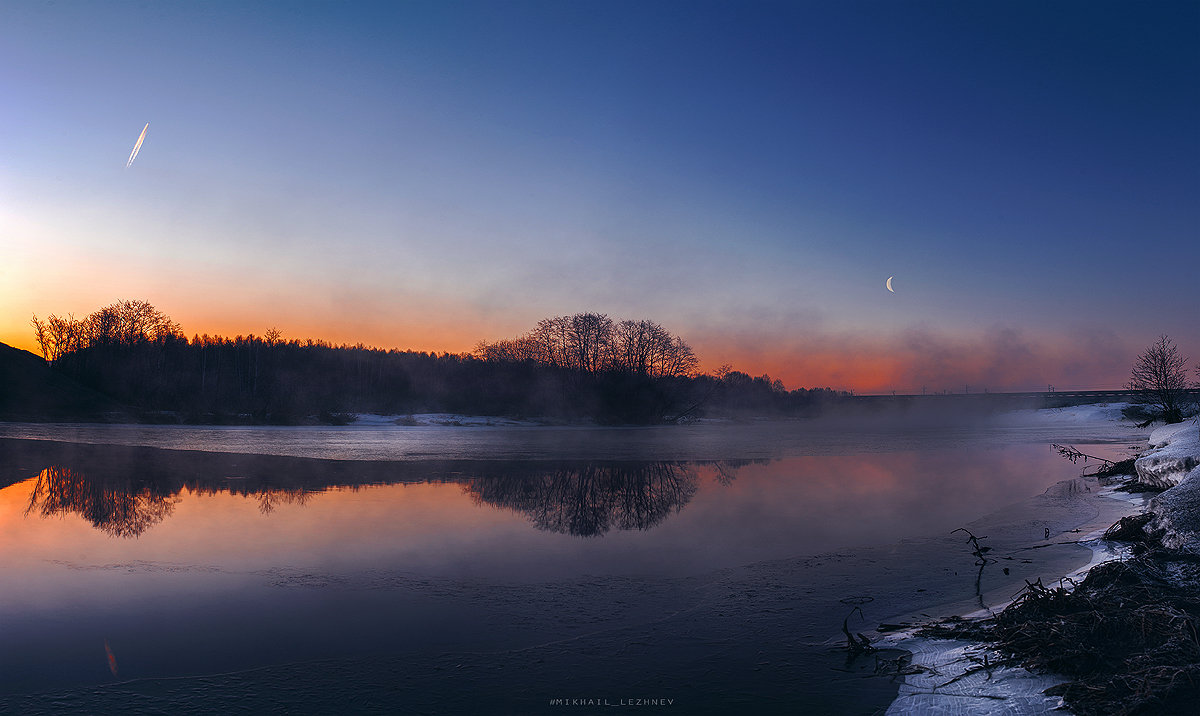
[581, 367]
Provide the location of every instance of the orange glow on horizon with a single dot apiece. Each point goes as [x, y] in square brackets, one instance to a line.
[906, 364]
[863, 373]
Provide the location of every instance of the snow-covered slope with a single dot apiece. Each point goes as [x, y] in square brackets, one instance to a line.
[1175, 451]
[1175, 463]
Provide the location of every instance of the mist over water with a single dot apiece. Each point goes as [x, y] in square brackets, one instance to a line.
[848, 432]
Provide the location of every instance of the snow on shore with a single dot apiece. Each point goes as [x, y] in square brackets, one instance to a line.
[1174, 452]
[1072, 414]
[1171, 463]
[1174, 462]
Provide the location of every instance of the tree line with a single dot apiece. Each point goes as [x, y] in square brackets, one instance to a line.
[581, 367]
[593, 343]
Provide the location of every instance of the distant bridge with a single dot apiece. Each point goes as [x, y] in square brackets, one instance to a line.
[1040, 399]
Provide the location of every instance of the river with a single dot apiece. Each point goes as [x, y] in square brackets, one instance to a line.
[446, 569]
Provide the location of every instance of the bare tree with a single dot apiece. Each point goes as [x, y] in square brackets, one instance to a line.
[631, 346]
[130, 322]
[42, 331]
[1161, 376]
[58, 336]
[646, 348]
[551, 340]
[678, 359]
[589, 339]
[593, 343]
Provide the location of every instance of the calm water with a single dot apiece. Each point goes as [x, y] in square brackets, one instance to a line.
[197, 552]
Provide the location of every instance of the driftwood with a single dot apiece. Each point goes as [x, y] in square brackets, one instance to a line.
[981, 560]
[860, 646]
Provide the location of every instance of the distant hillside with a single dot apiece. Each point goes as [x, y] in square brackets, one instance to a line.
[30, 390]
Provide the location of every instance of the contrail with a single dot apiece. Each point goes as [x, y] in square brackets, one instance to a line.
[137, 147]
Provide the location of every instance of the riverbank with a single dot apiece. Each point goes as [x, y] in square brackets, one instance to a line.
[1118, 637]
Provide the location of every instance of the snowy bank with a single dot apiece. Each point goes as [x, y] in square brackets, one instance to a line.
[1069, 415]
[1174, 463]
[1174, 452]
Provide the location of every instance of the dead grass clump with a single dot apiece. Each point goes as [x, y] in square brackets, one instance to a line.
[1129, 529]
[1113, 469]
[1127, 635]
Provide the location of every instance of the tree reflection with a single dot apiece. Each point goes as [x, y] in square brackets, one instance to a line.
[590, 500]
[268, 500]
[125, 491]
[726, 470]
[129, 507]
[120, 510]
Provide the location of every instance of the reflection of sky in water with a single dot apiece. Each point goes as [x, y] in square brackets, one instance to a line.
[344, 548]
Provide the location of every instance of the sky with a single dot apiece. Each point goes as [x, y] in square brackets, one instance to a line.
[426, 175]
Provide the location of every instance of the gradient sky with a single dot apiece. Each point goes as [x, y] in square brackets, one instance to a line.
[428, 174]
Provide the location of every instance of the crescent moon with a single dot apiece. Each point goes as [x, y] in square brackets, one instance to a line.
[889, 284]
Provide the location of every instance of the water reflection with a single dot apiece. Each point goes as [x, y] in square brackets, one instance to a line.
[124, 491]
[124, 509]
[592, 499]
[268, 500]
